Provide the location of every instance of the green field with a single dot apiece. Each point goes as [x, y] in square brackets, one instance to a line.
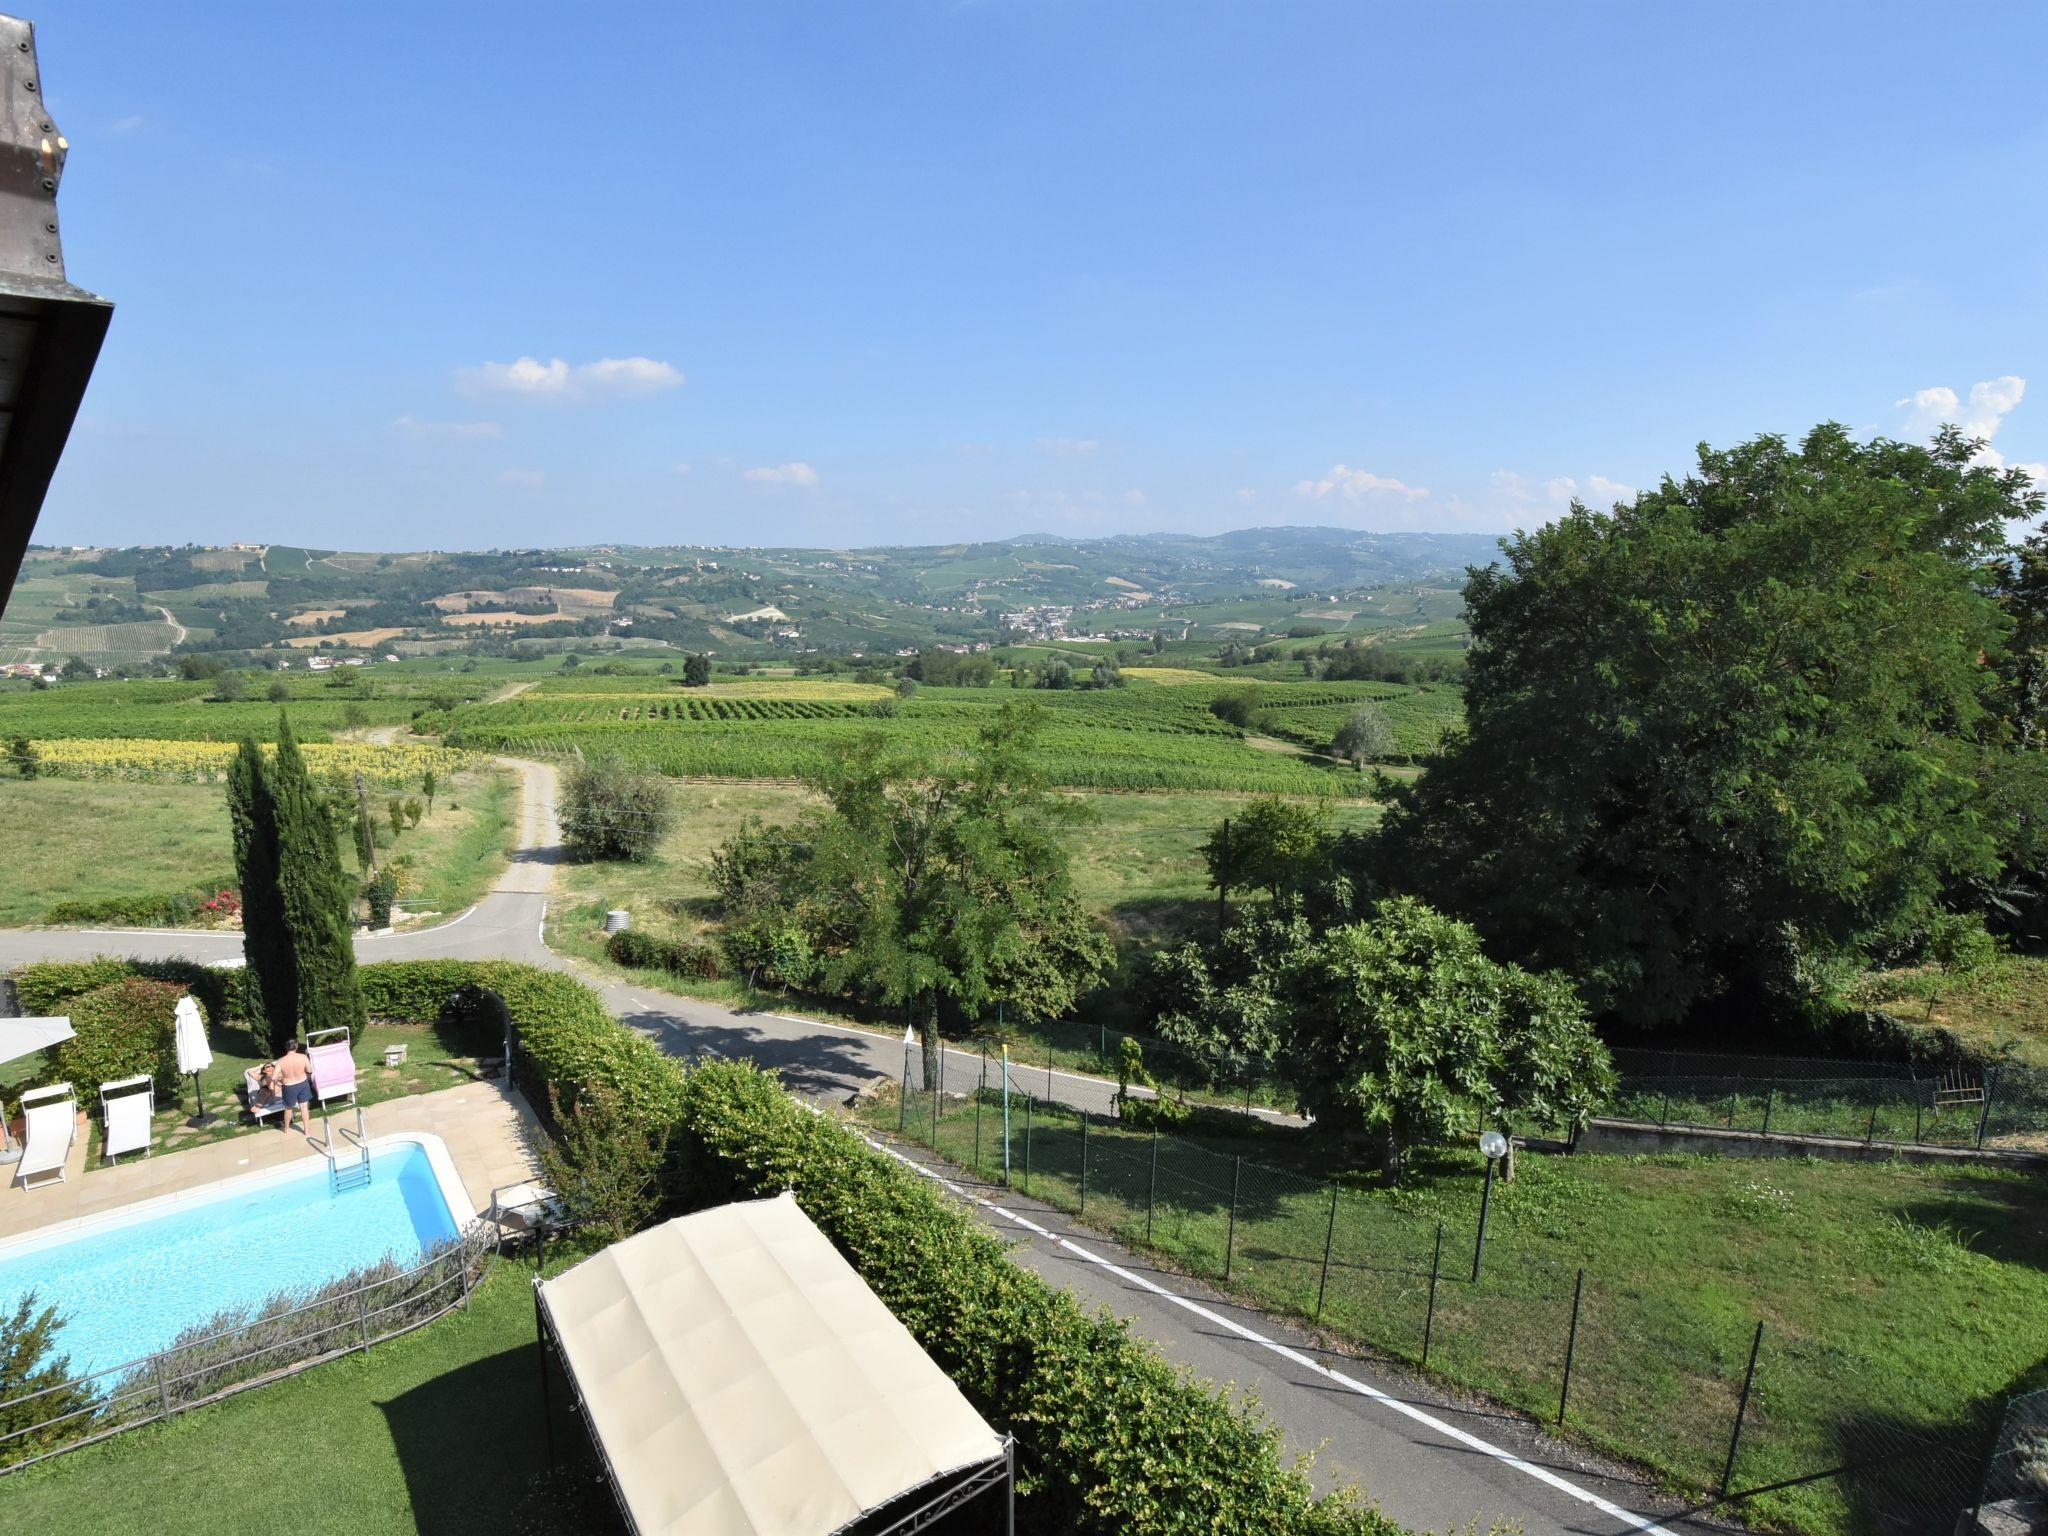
[173, 710]
[1162, 738]
[86, 840]
[1894, 1298]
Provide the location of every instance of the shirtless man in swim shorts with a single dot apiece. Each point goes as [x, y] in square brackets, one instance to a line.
[294, 1079]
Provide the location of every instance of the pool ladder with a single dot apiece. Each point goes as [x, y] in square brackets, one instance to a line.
[345, 1171]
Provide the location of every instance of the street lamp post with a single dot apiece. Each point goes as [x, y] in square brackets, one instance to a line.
[1495, 1147]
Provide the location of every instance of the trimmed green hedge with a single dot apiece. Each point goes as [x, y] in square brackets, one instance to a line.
[631, 947]
[123, 1029]
[46, 986]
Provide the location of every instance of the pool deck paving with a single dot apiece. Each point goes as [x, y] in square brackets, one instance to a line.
[482, 1124]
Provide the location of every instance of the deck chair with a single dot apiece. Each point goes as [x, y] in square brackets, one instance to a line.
[258, 1111]
[127, 1106]
[334, 1069]
[52, 1117]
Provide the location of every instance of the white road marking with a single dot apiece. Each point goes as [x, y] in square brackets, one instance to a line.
[1506, 1457]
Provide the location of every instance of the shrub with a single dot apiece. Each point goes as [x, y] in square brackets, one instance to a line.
[31, 1364]
[380, 890]
[48, 986]
[602, 1163]
[123, 1029]
[28, 762]
[160, 909]
[1238, 707]
[612, 810]
[680, 958]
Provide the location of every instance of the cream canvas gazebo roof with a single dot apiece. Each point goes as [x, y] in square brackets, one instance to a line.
[740, 1377]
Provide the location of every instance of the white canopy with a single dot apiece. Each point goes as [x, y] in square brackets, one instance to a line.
[194, 1054]
[24, 1037]
[740, 1377]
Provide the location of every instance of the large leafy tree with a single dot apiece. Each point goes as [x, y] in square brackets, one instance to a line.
[924, 883]
[316, 894]
[1400, 1027]
[1729, 731]
[271, 975]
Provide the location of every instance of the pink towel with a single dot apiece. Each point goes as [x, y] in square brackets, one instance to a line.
[334, 1070]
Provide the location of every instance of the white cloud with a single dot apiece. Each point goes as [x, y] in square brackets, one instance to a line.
[524, 478]
[1520, 494]
[1981, 415]
[1360, 485]
[1246, 495]
[532, 379]
[460, 431]
[682, 469]
[1066, 447]
[782, 474]
[1134, 498]
[134, 122]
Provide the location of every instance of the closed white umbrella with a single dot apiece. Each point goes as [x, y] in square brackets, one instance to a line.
[194, 1054]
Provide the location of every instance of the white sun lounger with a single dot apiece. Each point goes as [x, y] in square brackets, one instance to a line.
[52, 1125]
[127, 1107]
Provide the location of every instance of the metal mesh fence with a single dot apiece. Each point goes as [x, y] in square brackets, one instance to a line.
[1718, 1405]
[2018, 1465]
[1891, 1103]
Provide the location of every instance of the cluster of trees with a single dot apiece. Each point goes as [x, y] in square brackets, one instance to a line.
[951, 669]
[1770, 724]
[933, 885]
[297, 936]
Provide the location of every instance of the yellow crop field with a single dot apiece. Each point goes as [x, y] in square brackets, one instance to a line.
[172, 762]
[1168, 676]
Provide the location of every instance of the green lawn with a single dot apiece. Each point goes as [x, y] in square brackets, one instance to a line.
[1893, 1297]
[82, 840]
[437, 1432]
[79, 840]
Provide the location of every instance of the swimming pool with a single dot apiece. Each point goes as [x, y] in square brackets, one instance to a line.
[128, 1282]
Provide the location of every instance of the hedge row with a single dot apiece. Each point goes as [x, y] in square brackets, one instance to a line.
[44, 987]
[629, 946]
[210, 903]
[1112, 1439]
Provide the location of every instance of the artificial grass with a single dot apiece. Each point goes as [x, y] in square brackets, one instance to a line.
[438, 1432]
[1896, 1299]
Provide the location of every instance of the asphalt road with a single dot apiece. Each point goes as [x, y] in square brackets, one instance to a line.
[1431, 1462]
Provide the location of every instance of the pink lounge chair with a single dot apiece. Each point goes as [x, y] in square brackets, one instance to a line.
[333, 1068]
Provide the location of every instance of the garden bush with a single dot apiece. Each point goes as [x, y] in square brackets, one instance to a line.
[678, 957]
[48, 986]
[123, 1029]
[210, 903]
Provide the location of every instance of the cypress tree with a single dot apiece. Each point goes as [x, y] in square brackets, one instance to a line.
[316, 894]
[271, 980]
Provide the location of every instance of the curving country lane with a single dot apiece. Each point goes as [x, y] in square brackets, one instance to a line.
[1431, 1461]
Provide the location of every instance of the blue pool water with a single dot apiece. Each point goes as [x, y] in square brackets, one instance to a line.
[128, 1291]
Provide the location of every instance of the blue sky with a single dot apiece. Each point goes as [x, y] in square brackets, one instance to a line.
[481, 275]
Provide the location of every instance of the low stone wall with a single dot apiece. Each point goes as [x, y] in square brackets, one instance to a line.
[1634, 1137]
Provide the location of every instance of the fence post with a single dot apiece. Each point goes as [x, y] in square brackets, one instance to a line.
[1329, 1240]
[1048, 1071]
[1230, 1235]
[1152, 1183]
[163, 1387]
[1664, 1112]
[1734, 1099]
[1028, 1102]
[938, 1092]
[1769, 1098]
[1984, 1118]
[977, 1108]
[1741, 1408]
[1571, 1344]
[1084, 1163]
[1870, 1130]
[363, 1313]
[1436, 1268]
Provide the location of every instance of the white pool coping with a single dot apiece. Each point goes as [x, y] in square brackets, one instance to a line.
[57, 1234]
